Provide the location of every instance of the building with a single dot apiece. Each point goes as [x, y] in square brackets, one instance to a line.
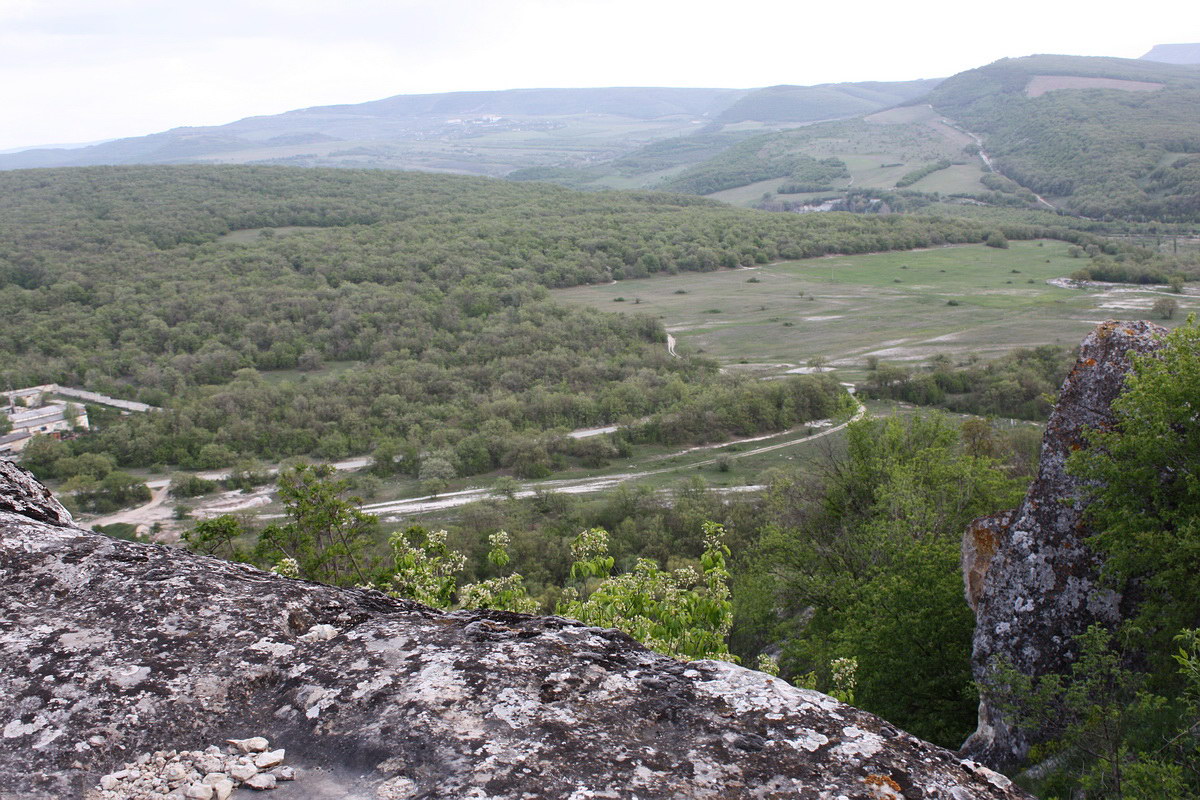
[32, 397]
[32, 412]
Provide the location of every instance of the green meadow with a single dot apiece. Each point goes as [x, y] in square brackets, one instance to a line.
[907, 307]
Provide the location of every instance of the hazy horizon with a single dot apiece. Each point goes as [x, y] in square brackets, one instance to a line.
[81, 71]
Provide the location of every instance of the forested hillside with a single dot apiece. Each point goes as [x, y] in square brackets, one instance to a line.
[379, 307]
[1105, 136]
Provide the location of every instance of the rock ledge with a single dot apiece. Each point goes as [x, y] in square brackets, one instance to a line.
[1029, 576]
[112, 649]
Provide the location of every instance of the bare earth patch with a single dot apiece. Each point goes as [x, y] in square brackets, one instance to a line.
[1040, 84]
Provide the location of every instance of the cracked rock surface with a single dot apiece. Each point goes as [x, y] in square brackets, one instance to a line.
[110, 649]
[1028, 573]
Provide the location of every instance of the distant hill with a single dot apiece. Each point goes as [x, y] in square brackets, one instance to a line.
[1098, 136]
[489, 133]
[1174, 53]
[827, 101]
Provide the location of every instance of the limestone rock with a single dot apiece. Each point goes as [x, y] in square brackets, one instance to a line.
[1028, 573]
[199, 791]
[156, 650]
[25, 497]
[284, 773]
[262, 781]
[255, 744]
[243, 772]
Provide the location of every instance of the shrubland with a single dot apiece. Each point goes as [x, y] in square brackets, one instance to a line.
[1020, 385]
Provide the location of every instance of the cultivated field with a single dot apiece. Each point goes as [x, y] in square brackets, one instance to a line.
[902, 307]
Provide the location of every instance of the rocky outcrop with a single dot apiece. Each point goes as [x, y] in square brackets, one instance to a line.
[116, 654]
[1028, 574]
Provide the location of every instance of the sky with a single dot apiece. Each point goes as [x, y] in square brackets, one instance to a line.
[74, 71]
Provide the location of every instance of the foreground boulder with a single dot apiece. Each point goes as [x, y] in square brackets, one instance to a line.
[111, 650]
[1029, 574]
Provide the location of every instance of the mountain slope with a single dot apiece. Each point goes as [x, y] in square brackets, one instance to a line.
[490, 133]
[1104, 136]
[827, 101]
[1174, 53]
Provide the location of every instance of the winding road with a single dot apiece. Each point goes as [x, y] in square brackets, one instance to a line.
[396, 509]
[154, 511]
[987, 162]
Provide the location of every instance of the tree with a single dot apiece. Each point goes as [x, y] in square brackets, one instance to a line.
[42, 454]
[1111, 738]
[383, 458]
[218, 537]
[865, 564]
[1165, 307]
[437, 470]
[327, 536]
[684, 614]
[1143, 475]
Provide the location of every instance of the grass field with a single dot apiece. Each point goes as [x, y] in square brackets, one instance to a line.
[878, 151]
[962, 178]
[901, 307]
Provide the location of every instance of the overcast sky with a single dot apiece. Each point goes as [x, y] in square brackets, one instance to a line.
[84, 70]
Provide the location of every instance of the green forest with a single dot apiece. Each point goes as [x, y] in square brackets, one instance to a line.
[350, 309]
[1105, 152]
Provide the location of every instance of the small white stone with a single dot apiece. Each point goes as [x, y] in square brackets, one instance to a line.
[199, 791]
[109, 782]
[319, 633]
[261, 781]
[284, 773]
[242, 772]
[268, 760]
[210, 764]
[175, 772]
[255, 744]
[223, 788]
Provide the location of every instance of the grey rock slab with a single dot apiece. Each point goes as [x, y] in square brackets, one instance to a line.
[159, 649]
[1028, 573]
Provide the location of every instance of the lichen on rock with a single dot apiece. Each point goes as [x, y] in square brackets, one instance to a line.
[1028, 574]
[111, 649]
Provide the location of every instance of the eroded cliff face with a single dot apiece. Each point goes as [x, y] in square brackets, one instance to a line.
[111, 649]
[1028, 574]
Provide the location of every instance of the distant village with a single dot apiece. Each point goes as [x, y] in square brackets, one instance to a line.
[43, 411]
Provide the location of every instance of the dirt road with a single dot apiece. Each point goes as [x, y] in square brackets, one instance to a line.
[157, 511]
[397, 509]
